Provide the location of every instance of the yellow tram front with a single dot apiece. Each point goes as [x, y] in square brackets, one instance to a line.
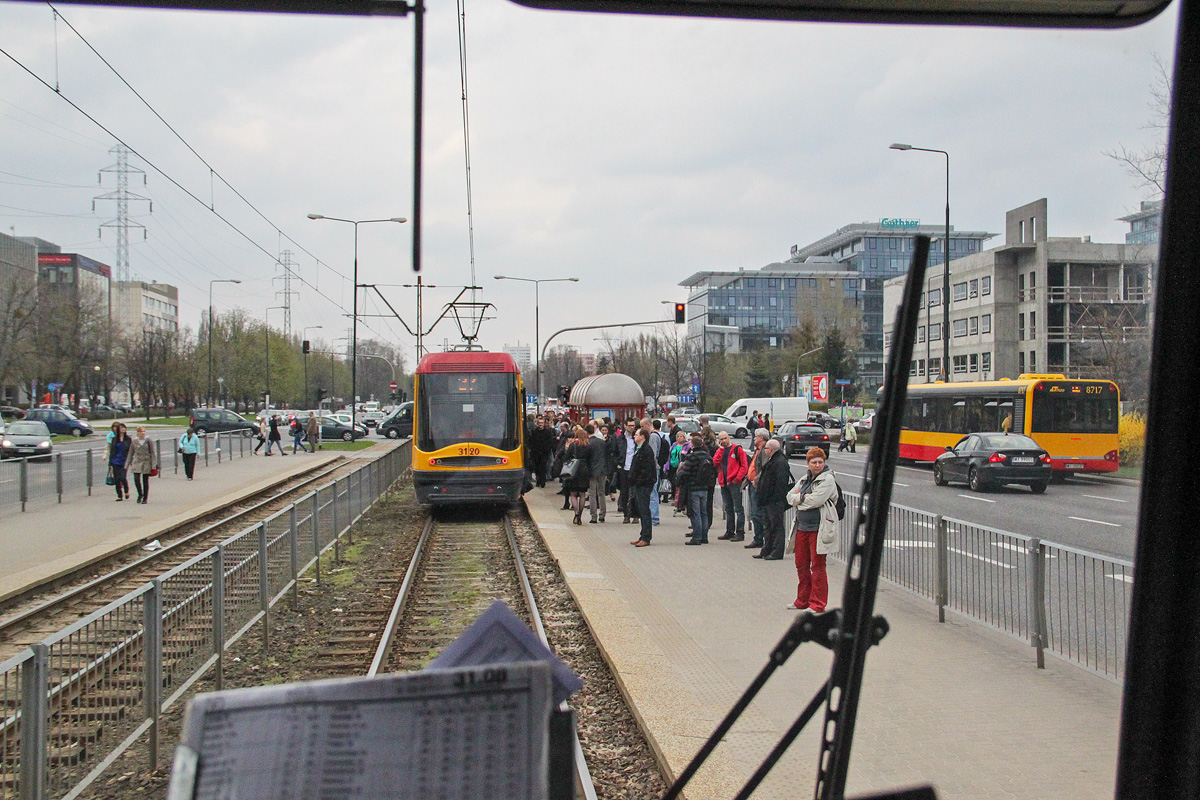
[468, 436]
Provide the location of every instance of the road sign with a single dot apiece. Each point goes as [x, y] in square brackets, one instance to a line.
[842, 381]
[695, 388]
[392, 386]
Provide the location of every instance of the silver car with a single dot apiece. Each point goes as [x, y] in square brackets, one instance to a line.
[26, 438]
[723, 424]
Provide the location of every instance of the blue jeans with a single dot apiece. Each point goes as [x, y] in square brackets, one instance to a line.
[298, 443]
[698, 503]
[735, 514]
[654, 503]
[271, 442]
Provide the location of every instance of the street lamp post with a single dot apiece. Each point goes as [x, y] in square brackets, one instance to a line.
[796, 388]
[354, 312]
[210, 331]
[536, 321]
[945, 370]
[304, 337]
[391, 366]
[267, 339]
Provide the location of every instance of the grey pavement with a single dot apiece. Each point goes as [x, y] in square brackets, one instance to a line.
[51, 539]
[958, 705]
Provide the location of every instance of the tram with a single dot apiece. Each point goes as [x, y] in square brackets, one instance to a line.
[468, 436]
[1075, 421]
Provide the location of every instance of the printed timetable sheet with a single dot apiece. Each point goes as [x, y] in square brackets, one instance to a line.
[474, 732]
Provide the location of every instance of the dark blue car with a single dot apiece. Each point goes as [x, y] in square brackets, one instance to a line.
[60, 423]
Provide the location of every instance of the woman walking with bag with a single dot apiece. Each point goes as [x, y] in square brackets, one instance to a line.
[143, 463]
[117, 456]
[189, 447]
[577, 459]
[816, 531]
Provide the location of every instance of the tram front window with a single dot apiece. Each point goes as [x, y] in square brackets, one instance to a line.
[476, 408]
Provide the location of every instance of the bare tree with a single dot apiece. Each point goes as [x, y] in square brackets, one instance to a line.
[18, 321]
[1148, 165]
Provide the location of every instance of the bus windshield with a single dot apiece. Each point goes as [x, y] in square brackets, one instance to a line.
[459, 407]
[1075, 413]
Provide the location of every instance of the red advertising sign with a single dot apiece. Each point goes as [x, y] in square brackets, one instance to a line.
[820, 388]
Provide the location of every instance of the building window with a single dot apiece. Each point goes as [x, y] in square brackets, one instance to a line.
[920, 366]
[887, 339]
[1021, 287]
[920, 333]
[959, 328]
[921, 301]
[985, 362]
[935, 331]
[750, 282]
[732, 301]
[872, 243]
[1021, 327]
[1021, 362]
[1032, 324]
[1033, 360]
[1033, 286]
[774, 301]
[985, 286]
[974, 326]
[772, 283]
[960, 365]
[975, 288]
[912, 369]
[935, 366]
[985, 323]
[935, 297]
[960, 291]
[974, 361]
[791, 283]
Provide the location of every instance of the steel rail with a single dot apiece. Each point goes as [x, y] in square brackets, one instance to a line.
[389, 631]
[111, 577]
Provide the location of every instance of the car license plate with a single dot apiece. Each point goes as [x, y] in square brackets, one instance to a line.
[1072, 466]
[1022, 459]
[25, 449]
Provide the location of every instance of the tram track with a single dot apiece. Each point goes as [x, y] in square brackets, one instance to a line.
[49, 606]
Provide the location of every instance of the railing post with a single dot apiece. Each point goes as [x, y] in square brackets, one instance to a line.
[1038, 634]
[24, 473]
[158, 455]
[90, 471]
[264, 591]
[942, 559]
[294, 548]
[316, 533]
[152, 659]
[58, 475]
[206, 437]
[337, 531]
[34, 711]
[175, 455]
[218, 607]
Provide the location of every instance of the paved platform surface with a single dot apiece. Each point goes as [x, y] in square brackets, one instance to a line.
[957, 705]
[51, 539]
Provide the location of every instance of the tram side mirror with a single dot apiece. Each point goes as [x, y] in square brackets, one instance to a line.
[951, 449]
[1016, 13]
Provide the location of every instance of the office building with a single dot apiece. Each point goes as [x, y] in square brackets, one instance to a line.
[1036, 304]
[521, 353]
[139, 307]
[1144, 224]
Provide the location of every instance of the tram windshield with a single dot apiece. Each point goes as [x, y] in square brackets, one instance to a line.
[456, 408]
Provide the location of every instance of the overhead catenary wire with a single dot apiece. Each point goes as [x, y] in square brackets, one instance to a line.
[466, 118]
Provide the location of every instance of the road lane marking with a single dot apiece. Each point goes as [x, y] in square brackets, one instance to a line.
[980, 499]
[860, 477]
[1098, 522]
[981, 558]
[1098, 497]
[1123, 578]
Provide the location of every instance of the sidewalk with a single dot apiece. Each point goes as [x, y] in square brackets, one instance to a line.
[956, 704]
[51, 539]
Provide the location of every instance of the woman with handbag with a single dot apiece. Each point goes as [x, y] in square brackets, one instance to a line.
[117, 456]
[143, 463]
[189, 447]
[577, 471]
[815, 531]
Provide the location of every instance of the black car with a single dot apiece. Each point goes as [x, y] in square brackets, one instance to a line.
[11, 412]
[332, 430]
[824, 420]
[398, 424]
[221, 420]
[994, 459]
[798, 437]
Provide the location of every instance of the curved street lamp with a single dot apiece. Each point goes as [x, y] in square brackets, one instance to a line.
[537, 363]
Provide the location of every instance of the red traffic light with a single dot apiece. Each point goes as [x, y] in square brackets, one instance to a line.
[680, 313]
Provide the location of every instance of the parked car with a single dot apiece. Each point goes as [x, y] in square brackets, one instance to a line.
[221, 420]
[11, 412]
[721, 423]
[994, 459]
[101, 410]
[333, 428]
[824, 420]
[344, 418]
[797, 437]
[398, 424]
[60, 421]
[26, 438]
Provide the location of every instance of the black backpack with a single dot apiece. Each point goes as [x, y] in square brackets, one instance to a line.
[839, 505]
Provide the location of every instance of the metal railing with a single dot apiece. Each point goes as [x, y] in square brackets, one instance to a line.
[77, 473]
[75, 702]
[1070, 602]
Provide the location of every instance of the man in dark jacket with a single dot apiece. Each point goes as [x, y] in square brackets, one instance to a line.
[625, 449]
[643, 476]
[696, 476]
[541, 450]
[772, 500]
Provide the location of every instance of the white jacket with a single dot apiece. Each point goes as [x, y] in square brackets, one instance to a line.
[823, 496]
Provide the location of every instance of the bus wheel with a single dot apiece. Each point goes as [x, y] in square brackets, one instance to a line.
[1039, 488]
[938, 478]
[975, 480]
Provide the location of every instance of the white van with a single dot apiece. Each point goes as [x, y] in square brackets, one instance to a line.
[779, 409]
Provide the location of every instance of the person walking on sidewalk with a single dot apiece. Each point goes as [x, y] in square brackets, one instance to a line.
[298, 434]
[772, 500]
[312, 429]
[189, 447]
[816, 531]
[697, 475]
[117, 457]
[274, 438]
[732, 468]
[643, 478]
[143, 463]
[849, 437]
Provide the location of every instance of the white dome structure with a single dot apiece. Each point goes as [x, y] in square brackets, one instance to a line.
[616, 394]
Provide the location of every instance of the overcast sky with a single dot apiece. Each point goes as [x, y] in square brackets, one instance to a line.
[626, 151]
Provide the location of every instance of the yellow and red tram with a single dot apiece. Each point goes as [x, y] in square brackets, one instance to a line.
[468, 431]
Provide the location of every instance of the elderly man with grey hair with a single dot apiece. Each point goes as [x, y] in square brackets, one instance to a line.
[757, 461]
[772, 500]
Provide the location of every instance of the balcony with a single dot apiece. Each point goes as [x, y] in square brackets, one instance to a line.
[1094, 294]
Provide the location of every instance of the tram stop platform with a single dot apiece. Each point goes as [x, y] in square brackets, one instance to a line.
[954, 704]
[51, 539]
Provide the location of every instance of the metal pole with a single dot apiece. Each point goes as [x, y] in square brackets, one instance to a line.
[945, 283]
[537, 299]
[35, 674]
[418, 9]
[218, 601]
[354, 343]
[210, 327]
[264, 591]
[152, 659]
[306, 380]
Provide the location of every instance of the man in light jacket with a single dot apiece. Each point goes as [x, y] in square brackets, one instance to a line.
[816, 531]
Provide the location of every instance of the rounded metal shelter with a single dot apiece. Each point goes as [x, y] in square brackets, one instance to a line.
[610, 395]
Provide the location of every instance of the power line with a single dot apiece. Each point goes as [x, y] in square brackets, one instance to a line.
[462, 70]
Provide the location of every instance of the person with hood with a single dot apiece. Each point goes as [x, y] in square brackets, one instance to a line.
[772, 500]
[814, 498]
[697, 475]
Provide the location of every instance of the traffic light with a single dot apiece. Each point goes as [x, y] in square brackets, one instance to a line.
[680, 313]
[564, 394]
[304, 348]
[321, 395]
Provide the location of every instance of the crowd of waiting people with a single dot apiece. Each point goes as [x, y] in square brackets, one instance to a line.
[645, 464]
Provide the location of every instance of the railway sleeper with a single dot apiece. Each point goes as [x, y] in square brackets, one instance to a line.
[75, 715]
